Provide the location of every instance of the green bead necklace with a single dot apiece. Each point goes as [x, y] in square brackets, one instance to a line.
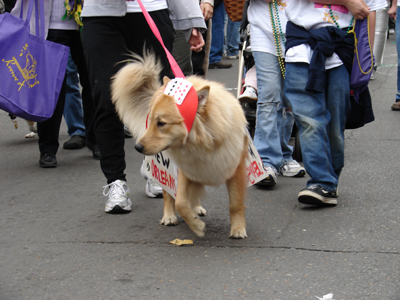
[278, 34]
[336, 23]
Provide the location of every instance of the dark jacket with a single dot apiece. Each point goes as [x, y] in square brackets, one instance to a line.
[324, 42]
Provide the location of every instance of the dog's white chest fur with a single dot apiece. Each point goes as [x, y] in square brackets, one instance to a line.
[210, 168]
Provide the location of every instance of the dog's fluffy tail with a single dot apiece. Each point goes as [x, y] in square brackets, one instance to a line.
[132, 90]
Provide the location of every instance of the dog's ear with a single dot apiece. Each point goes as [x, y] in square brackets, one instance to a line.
[202, 95]
[166, 80]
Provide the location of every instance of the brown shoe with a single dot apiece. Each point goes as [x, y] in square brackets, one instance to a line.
[219, 65]
[396, 106]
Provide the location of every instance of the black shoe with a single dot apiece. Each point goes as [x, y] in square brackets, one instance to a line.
[75, 142]
[48, 160]
[96, 152]
[317, 195]
[219, 65]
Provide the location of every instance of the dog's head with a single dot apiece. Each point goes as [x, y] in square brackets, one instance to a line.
[166, 126]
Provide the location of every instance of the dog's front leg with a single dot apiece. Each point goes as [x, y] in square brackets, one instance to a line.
[186, 200]
[169, 216]
[237, 186]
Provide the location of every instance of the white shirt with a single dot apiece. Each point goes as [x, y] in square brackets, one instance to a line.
[150, 5]
[261, 35]
[57, 13]
[317, 16]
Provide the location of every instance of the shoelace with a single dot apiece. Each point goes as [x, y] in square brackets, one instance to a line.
[313, 187]
[292, 163]
[114, 188]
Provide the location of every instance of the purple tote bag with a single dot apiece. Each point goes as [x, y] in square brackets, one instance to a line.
[363, 59]
[32, 69]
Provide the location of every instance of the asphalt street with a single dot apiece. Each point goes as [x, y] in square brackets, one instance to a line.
[56, 242]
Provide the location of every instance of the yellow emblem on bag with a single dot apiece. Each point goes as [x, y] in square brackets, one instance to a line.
[28, 73]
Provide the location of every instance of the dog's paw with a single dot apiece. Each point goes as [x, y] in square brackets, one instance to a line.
[200, 211]
[199, 229]
[169, 221]
[238, 233]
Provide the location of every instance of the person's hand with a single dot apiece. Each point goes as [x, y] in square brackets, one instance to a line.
[207, 9]
[358, 8]
[196, 40]
[392, 12]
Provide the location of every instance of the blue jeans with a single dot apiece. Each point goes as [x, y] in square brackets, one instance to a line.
[73, 109]
[273, 128]
[321, 119]
[398, 53]
[232, 37]
[217, 34]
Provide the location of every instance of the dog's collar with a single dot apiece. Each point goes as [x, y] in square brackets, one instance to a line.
[185, 99]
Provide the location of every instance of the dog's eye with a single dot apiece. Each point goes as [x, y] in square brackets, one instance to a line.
[160, 124]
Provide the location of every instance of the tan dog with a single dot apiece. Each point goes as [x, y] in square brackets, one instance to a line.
[212, 153]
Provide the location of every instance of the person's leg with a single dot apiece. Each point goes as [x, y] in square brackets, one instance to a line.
[249, 94]
[217, 34]
[73, 110]
[289, 166]
[250, 78]
[136, 44]
[48, 131]
[338, 105]
[312, 118]
[104, 47]
[232, 39]
[108, 41]
[267, 133]
[145, 37]
[77, 54]
[285, 123]
[398, 54]
[182, 53]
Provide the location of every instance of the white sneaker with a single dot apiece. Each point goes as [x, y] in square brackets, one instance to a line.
[236, 56]
[118, 197]
[249, 95]
[153, 190]
[292, 169]
[270, 180]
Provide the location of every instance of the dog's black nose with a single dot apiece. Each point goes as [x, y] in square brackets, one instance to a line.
[139, 148]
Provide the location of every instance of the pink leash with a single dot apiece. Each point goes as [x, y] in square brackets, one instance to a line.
[174, 65]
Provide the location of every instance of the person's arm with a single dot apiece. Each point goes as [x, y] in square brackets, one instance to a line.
[393, 9]
[196, 40]
[187, 17]
[207, 8]
[358, 8]
[372, 23]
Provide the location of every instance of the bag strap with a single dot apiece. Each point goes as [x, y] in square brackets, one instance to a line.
[29, 13]
[42, 25]
[370, 48]
[40, 28]
[36, 17]
[174, 65]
